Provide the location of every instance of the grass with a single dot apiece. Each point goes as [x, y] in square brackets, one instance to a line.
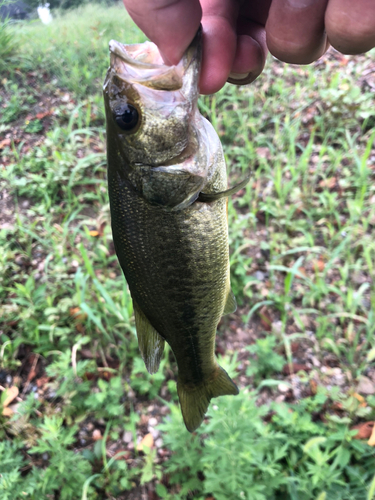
[302, 263]
[8, 41]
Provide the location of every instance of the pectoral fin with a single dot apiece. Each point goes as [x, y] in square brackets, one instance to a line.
[208, 197]
[151, 344]
[231, 304]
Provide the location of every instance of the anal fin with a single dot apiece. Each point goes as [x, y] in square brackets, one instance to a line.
[150, 342]
[231, 304]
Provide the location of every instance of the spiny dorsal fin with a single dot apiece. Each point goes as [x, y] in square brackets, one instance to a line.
[208, 197]
[231, 304]
[151, 344]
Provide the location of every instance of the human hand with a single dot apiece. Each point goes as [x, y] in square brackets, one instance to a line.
[236, 33]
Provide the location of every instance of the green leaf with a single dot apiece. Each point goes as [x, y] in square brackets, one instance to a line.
[161, 490]
[371, 491]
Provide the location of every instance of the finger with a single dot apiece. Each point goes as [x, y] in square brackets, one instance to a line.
[295, 30]
[170, 24]
[256, 10]
[219, 49]
[251, 53]
[351, 25]
[230, 46]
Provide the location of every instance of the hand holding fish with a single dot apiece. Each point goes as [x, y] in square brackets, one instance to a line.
[238, 33]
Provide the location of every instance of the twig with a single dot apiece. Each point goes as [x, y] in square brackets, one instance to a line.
[32, 369]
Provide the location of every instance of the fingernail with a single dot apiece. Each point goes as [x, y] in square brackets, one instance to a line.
[301, 4]
[240, 78]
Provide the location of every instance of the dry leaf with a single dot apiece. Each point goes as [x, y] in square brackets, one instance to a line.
[294, 346]
[361, 399]
[265, 319]
[313, 386]
[42, 381]
[5, 142]
[365, 430]
[329, 183]
[80, 328]
[7, 412]
[319, 265]
[336, 405]
[11, 394]
[148, 441]
[371, 441]
[32, 374]
[297, 367]
[263, 152]
[40, 116]
[79, 315]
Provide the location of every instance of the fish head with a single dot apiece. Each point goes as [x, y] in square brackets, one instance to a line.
[153, 123]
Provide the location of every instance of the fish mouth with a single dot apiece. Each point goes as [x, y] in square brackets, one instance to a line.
[144, 55]
[180, 162]
[142, 63]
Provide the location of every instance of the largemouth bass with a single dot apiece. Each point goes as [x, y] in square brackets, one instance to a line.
[167, 188]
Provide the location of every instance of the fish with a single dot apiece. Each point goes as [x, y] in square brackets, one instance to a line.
[168, 192]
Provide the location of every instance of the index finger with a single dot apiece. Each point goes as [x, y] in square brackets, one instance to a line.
[170, 24]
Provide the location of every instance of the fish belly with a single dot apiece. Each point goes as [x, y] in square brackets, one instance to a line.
[176, 264]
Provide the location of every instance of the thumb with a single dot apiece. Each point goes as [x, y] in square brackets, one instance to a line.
[170, 24]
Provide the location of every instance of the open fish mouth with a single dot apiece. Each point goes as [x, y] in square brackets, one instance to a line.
[142, 63]
[140, 54]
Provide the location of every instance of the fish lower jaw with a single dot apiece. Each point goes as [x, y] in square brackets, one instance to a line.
[186, 157]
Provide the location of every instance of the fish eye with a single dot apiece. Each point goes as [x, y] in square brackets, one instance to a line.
[127, 117]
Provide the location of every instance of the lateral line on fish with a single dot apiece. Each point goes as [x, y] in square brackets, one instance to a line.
[209, 197]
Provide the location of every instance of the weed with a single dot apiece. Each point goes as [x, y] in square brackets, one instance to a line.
[267, 361]
[18, 103]
[34, 127]
[143, 382]
[8, 42]
[291, 456]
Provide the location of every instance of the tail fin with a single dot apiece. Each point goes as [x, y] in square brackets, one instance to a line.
[194, 401]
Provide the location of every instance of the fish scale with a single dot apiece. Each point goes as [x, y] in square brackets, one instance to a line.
[179, 291]
[172, 246]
